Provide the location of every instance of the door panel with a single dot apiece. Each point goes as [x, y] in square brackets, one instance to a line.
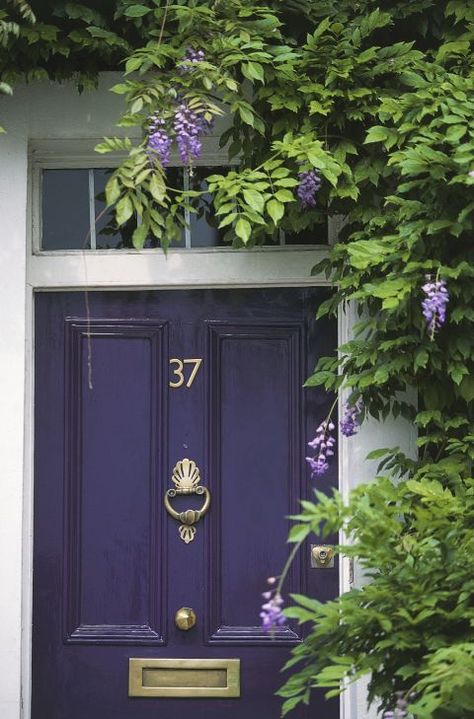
[256, 403]
[113, 418]
[116, 410]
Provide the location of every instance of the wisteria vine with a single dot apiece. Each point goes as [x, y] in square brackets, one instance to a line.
[434, 304]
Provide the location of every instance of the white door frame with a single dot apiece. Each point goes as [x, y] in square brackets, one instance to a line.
[131, 270]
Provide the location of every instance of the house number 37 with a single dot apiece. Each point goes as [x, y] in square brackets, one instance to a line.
[178, 366]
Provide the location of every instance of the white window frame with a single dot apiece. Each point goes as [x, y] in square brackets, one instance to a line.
[279, 265]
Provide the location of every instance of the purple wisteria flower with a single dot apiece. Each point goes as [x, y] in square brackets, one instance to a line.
[350, 421]
[400, 708]
[189, 126]
[192, 56]
[159, 142]
[434, 304]
[310, 182]
[272, 609]
[323, 443]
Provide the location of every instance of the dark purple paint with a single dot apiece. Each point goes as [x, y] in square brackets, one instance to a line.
[109, 569]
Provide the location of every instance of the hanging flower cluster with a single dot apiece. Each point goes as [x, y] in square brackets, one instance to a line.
[350, 422]
[434, 304]
[159, 142]
[192, 56]
[400, 708]
[323, 444]
[272, 609]
[310, 183]
[187, 126]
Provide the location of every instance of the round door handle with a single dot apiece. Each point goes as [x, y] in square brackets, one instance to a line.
[185, 618]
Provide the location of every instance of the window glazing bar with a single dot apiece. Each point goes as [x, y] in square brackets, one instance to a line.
[93, 239]
[187, 214]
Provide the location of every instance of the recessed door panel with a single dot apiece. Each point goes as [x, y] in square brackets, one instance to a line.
[113, 580]
[255, 396]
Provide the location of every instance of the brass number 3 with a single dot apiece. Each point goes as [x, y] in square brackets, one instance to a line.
[179, 371]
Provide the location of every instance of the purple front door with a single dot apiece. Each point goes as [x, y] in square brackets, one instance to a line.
[211, 376]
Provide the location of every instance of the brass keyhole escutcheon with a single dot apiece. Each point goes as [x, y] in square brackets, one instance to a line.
[185, 618]
[322, 556]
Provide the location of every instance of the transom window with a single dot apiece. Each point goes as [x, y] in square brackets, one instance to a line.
[74, 214]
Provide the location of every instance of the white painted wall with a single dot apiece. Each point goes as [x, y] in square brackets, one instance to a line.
[13, 170]
[36, 113]
[355, 469]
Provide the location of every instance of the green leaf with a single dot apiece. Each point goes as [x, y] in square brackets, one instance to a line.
[378, 453]
[307, 602]
[455, 132]
[110, 37]
[139, 236]
[367, 252]
[254, 71]
[157, 187]
[254, 199]
[275, 209]
[466, 388]
[376, 134]
[120, 89]
[137, 11]
[246, 115]
[289, 704]
[319, 378]
[299, 532]
[113, 144]
[321, 28]
[421, 359]
[133, 64]
[124, 210]
[279, 172]
[112, 190]
[243, 229]
[284, 196]
[438, 225]
[228, 219]
[136, 105]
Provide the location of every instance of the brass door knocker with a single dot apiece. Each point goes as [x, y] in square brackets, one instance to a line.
[186, 477]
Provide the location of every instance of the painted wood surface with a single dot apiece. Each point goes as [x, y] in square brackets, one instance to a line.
[110, 569]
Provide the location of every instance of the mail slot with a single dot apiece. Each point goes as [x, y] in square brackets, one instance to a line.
[218, 678]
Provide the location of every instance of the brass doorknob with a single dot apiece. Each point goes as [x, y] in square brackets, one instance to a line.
[185, 618]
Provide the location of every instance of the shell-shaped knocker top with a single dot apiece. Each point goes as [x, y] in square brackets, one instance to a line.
[186, 476]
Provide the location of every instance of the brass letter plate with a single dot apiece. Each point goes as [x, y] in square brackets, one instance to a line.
[218, 678]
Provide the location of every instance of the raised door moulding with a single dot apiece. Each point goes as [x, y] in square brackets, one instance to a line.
[74, 630]
[293, 335]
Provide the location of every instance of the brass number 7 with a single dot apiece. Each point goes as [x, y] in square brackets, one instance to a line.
[179, 371]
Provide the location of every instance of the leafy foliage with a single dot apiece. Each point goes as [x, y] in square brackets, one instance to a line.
[411, 625]
[10, 28]
[377, 97]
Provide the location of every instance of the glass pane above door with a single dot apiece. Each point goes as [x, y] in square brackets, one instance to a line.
[65, 210]
[75, 215]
